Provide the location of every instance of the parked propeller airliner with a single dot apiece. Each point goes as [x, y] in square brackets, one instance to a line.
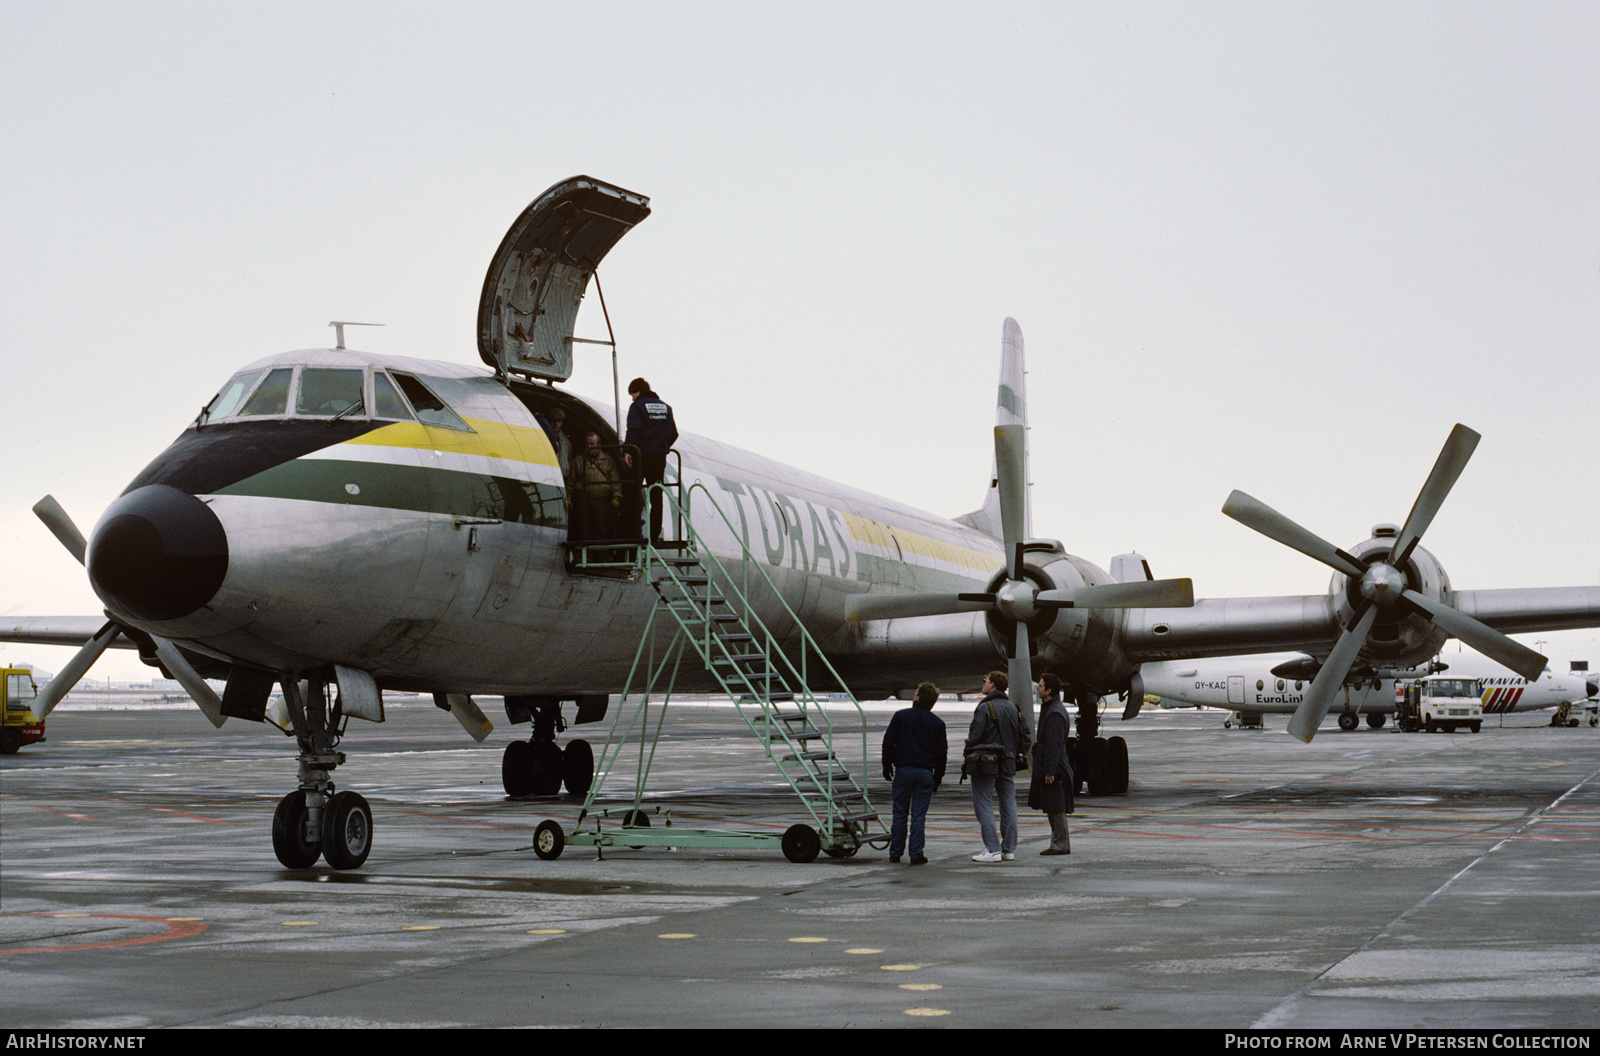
[1276, 684]
[340, 523]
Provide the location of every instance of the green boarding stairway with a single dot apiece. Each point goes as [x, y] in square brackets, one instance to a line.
[718, 628]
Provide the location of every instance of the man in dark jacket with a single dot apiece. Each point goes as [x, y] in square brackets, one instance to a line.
[914, 751]
[997, 722]
[1052, 773]
[653, 431]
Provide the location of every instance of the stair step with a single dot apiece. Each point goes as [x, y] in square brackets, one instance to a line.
[738, 658]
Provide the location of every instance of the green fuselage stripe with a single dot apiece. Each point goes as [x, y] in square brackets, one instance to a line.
[414, 488]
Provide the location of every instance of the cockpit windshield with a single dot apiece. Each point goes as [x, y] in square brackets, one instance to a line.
[325, 393]
[328, 392]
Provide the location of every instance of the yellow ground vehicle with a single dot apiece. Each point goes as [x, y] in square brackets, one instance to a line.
[18, 726]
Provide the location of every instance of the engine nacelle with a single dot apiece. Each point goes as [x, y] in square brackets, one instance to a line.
[1401, 637]
[1079, 644]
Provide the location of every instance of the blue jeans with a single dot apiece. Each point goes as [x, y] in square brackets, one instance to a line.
[913, 790]
[984, 791]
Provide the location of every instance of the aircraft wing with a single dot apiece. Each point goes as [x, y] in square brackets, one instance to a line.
[1223, 626]
[1515, 611]
[71, 631]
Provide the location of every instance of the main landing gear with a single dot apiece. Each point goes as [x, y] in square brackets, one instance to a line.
[1098, 763]
[316, 821]
[538, 766]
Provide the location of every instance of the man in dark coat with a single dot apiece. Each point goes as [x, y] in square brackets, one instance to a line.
[914, 751]
[653, 431]
[1052, 773]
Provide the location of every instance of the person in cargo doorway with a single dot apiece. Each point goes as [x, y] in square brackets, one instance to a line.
[653, 431]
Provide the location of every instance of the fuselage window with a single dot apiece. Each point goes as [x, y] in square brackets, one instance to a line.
[326, 392]
[387, 398]
[271, 396]
[1260, 685]
[1280, 685]
[429, 408]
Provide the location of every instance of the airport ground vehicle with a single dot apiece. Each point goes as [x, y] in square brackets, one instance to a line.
[18, 724]
[1575, 713]
[1434, 704]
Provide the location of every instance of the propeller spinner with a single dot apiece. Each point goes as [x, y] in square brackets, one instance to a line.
[60, 524]
[1383, 586]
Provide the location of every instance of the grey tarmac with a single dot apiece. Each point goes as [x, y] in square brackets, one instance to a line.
[1370, 879]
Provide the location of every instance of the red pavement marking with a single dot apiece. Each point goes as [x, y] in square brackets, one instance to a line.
[176, 929]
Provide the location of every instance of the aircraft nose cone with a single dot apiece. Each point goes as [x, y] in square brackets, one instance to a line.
[158, 553]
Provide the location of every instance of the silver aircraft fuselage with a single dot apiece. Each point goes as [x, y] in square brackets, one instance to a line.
[430, 553]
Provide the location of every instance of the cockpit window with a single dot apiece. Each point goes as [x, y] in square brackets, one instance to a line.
[227, 401]
[326, 392]
[429, 408]
[271, 396]
[388, 401]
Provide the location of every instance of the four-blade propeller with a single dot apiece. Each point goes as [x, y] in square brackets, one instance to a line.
[1017, 598]
[1383, 584]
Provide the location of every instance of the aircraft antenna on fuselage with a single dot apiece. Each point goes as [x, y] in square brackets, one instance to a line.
[338, 329]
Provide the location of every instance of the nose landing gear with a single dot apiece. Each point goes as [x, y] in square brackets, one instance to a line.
[316, 821]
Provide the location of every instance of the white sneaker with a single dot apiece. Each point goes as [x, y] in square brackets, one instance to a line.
[1008, 857]
[986, 856]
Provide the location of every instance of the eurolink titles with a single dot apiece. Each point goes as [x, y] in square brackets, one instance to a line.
[1408, 1041]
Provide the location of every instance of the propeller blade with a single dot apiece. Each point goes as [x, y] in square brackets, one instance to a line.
[469, 715]
[1458, 448]
[180, 669]
[1147, 594]
[1010, 447]
[1020, 672]
[55, 518]
[74, 670]
[1485, 639]
[1253, 513]
[899, 606]
[1319, 698]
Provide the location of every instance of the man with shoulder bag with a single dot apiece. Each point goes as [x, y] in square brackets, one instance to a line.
[997, 738]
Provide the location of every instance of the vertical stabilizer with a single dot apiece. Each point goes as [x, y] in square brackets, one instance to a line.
[1011, 409]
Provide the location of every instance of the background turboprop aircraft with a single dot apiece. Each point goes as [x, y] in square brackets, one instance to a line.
[338, 523]
[1276, 684]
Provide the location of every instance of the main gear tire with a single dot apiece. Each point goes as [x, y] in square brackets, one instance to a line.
[544, 770]
[577, 767]
[515, 768]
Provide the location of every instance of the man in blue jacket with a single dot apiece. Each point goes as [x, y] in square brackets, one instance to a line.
[653, 431]
[914, 750]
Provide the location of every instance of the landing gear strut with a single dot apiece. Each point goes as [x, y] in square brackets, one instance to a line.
[316, 821]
